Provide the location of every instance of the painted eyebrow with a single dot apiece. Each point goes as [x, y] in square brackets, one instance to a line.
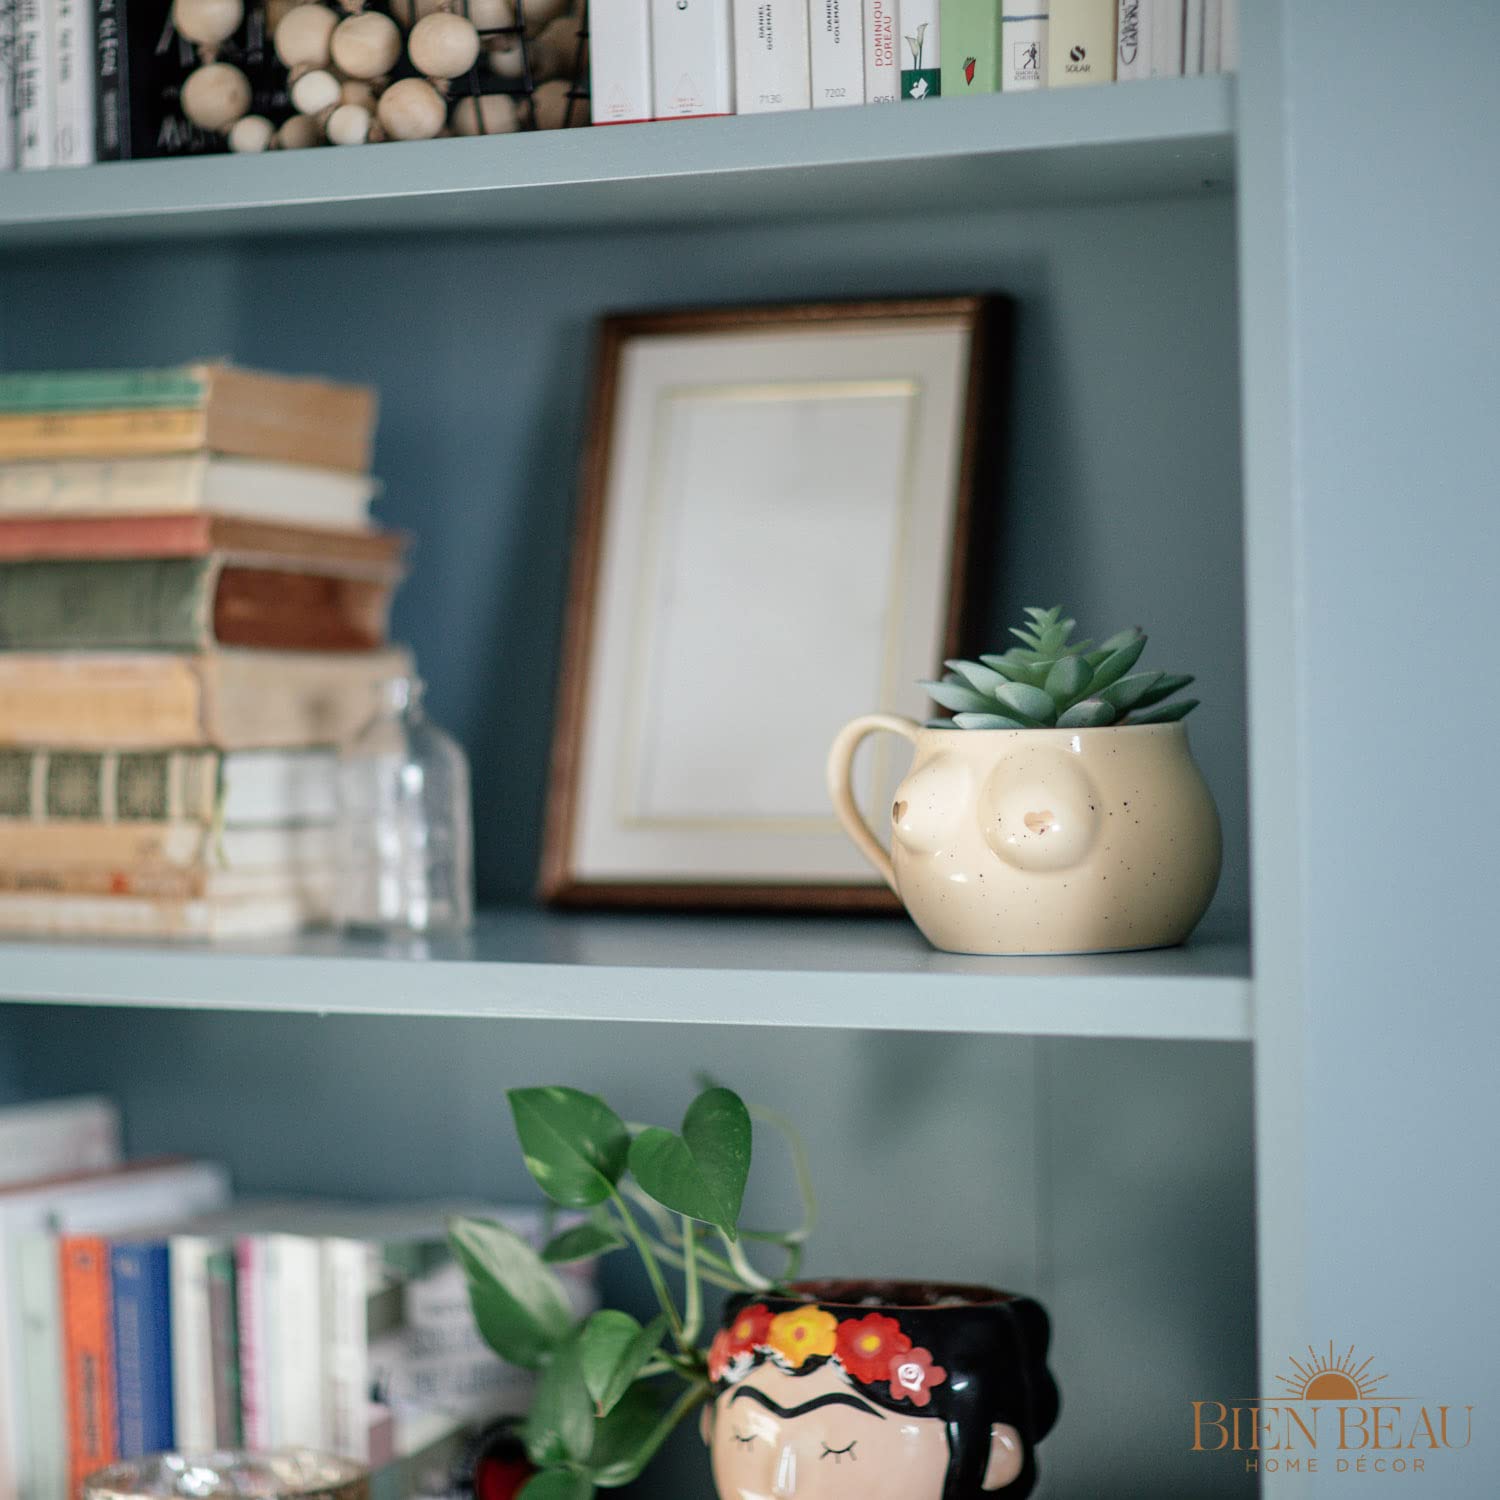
[832, 1398]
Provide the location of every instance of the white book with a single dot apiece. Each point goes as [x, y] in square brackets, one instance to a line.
[1193, 38]
[57, 1137]
[195, 482]
[296, 1315]
[1024, 29]
[73, 83]
[7, 98]
[253, 1296]
[921, 49]
[692, 71]
[838, 52]
[191, 1322]
[279, 787]
[1166, 38]
[347, 1284]
[1229, 37]
[1081, 43]
[882, 57]
[1213, 32]
[1133, 42]
[44, 1405]
[771, 63]
[34, 104]
[620, 61]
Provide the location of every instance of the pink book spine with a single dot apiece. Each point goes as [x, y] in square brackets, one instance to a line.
[255, 1365]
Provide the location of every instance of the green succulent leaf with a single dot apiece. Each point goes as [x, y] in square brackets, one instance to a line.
[1013, 669]
[1026, 702]
[987, 721]
[959, 698]
[1129, 691]
[560, 1424]
[1068, 680]
[981, 678]
[615, 1349]
[1117, 642]
[583, 1242]
[557, 1484]
[1170, 683]
[575, 1145]
[1117, 664]
[1165, 713]
[700, 1173]
[519, 1304]
[1091, 713]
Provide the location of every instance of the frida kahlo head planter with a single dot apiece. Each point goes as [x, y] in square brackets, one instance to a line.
[879, 1391]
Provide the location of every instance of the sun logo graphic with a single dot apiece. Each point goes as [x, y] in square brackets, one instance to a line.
[1323, 1378]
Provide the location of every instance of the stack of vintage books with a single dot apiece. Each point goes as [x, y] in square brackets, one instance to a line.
[193, 608]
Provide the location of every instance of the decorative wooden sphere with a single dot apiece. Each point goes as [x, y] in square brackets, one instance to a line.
[540, 13]
[251, 133]
[550, 101]
[412, 110]
[215, 96]
[358, 91]
[497, 111]
[303, 35]
[297, 133]
[367, 45]
[206, 23]
[314, 91]
[503, 53]
[443, 45]
[349, 125]
[555, 49]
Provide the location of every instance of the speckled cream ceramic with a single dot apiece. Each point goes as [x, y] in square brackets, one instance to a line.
[1042, 840]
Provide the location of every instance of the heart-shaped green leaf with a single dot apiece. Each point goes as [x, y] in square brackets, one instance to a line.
[575, 1145]
[1026, 702]
[582, 1243]
[560, 1424]
[1092, 713]
[615, 1349]
[1129, 691]
[702, 1172]
[1165, 713]
[557, 1484]
[1119, 661]
[519, 1305]
[627, 1439]
[956, 696]
[1068, 679]
[986, 721]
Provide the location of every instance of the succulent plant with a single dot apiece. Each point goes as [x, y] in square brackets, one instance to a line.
[1050, 682]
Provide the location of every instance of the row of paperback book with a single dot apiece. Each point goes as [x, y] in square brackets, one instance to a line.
[193, 619]
[664, 59]
[142, 1311]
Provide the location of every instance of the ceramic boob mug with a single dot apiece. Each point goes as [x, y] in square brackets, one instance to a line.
[879, 1391]
[1009, 841]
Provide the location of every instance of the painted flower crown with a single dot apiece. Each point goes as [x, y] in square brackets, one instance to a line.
[870, 1349]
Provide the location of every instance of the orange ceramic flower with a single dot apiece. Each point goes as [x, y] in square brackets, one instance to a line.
[913, 1375]
[867, 1345]
[803, 1333]
[749, 1328]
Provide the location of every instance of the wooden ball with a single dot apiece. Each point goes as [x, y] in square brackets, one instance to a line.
[349, 125]
[487, 15]
[215, 96]
[540, 13]
[497, 111]
[357, 91]
[412, 110]
[550, 103]
[207, 22]
[555, 50]
[251, 133]
[315, 91]
[298, 132]
[492, 15]
[367, 45]
[303, 36]
[443, 46]
[503, 54]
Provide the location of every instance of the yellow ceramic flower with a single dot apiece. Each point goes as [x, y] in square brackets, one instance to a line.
[802, 1333]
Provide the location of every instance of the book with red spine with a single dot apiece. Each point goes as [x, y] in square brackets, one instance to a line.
[88, 1355]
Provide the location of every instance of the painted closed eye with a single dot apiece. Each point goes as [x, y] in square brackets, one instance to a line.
[838, 1454]
[744, 1442]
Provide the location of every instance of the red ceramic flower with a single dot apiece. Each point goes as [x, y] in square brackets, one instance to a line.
[750, 1327]
[913, 1375]
[720, 1352]
[866, 1346]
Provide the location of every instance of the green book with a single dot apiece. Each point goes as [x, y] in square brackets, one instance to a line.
[142, 604]
[88, 390]
[970, 59]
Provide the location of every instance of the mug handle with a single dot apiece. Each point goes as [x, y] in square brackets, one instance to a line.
[840, 774]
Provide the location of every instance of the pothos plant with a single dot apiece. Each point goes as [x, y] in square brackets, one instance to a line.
[610, 1389]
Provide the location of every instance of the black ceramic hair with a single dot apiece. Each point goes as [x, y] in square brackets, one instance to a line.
[993, 1345]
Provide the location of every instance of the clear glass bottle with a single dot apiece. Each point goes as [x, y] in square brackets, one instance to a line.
[407, 863]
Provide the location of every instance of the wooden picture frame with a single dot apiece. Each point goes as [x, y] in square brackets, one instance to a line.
[881, 331]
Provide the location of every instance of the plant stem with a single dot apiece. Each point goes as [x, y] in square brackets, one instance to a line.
[728, 1283]
[653, 1269]
[692, 1317]
[742, 1267]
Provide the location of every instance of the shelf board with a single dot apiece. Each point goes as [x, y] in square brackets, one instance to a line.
[1136, 140]
[856, 973]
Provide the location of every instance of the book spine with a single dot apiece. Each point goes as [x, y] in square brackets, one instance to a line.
[140, 1276]
[34, 103]
[70, 1135]
[882, 59]
[223, 1322]
[837, 44]
[192, 1345]
[771, 72]
[1229, 36]
[1081, 43]
[88, 1356]
[111, 125]
[1133, 46]
[1024, 30]
[101, 434]
[73, 80]
[44, 1472]
[47, 793]
[164, 604]
[970, 47]
[620, 62]
[691, 58]
[346, 1360]
[1167, 21]
[921, 49]
[1193, 38]
[296, 1341]
[7, 93]
[253, 1321]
